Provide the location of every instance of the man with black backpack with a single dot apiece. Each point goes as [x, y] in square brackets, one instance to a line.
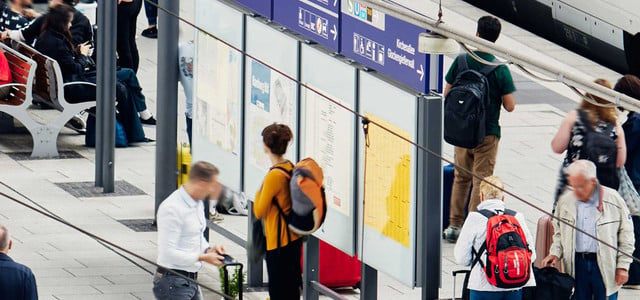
[474, 95]
[494, 241]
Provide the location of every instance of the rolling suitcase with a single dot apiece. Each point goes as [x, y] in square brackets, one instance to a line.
[544, 239]
[184, 163]
[337, 269]
[447, 183]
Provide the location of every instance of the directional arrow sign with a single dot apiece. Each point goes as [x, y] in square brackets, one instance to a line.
[421, 72]
[334, 31]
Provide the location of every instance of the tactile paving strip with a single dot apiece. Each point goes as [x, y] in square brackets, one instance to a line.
[89, 190]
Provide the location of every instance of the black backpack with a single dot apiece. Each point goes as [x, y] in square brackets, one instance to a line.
[599, 148]
[465, 106]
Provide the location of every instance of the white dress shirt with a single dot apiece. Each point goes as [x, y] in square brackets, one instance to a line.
[181, 224]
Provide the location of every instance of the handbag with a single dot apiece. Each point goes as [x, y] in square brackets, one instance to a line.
[257, 248]
[90, 135]
[628, 192]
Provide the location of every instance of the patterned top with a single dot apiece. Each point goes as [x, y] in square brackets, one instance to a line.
[12, 20]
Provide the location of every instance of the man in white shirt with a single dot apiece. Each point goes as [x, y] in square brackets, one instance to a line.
[182, 246]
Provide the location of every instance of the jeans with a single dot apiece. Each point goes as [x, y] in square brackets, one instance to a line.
[589, 281]
[189, 128]
[506, 295]
[151, 12]
[285, 272]
[170, 287]
[128, 56]
[480, 160]
[130, 80]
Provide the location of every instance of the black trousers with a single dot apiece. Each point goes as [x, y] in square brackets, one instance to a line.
[128, 56]
[285, 272]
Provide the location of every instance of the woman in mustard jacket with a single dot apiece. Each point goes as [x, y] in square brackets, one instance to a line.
[283, 247]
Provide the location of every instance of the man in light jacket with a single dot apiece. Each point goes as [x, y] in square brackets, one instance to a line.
[599, 270]
[474, 233]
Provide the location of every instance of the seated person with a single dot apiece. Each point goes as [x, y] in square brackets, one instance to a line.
[55, 42]
[16, 15]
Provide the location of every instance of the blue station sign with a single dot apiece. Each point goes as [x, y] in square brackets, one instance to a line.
[261, 7]
[384, 43]
[317, 20]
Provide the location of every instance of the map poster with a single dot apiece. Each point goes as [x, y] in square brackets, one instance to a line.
[328, 139]
[272, 99]
[219, 94]
[387, 182]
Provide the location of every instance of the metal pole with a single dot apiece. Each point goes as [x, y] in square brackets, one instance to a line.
[109, 96]
[429, 194]
[102, 20]
[369, 283]
[166, 161]
[311, 261]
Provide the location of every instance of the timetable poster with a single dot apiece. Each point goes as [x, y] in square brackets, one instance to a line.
[272, 99]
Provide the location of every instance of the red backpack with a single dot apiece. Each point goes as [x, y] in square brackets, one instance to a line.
[508, 263]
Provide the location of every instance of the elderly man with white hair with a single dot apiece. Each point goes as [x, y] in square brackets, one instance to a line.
[599, 270]
[16, 281]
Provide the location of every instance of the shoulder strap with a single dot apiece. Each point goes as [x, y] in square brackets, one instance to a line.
[488, 69]
[510, 212]
[283, 170]
[462, 63]
[584, 118]
[487, 213]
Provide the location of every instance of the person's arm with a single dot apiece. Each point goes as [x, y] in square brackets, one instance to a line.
[264, 197]
[462, 252]
[509, 102]
[30, 288]
[447, 87]
[560, 141]
[622, 147]
[556, 248]
[626, 240]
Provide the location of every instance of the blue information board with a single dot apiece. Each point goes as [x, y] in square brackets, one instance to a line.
[261, 7]
[318, 20]
[384, 43]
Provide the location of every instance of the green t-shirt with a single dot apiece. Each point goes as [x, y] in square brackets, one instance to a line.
[500, 84]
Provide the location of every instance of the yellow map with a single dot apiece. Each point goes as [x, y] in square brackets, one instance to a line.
[387, 185]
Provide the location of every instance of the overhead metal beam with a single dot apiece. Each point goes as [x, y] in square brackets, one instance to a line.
[576, 79]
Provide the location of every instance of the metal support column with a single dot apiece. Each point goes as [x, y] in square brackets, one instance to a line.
[106, 95]
[311, 261]
[369, 283]
[167, 108]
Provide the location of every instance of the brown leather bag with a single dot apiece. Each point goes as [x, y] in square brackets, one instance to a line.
[544, 239]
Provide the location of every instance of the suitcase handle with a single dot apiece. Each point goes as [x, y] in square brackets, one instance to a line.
[455, 274]
[226, 277]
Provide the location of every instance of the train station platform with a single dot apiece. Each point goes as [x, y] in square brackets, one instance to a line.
[69, 265]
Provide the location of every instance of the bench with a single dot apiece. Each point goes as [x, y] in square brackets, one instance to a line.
[47, 87]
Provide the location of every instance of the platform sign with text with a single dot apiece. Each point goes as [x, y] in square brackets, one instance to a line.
[261, 7]
[384, 43]
[317, 20]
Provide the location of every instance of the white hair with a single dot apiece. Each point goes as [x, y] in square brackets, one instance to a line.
[4, 238]
[582, 167]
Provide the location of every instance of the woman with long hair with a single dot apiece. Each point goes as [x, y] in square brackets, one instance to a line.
[271, 202]
[594, 114]
[55, 41]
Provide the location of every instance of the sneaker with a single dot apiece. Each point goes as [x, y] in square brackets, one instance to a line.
[150, 121]
[77, 123]
[151, 32]
[451, 234]
[216, 217]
